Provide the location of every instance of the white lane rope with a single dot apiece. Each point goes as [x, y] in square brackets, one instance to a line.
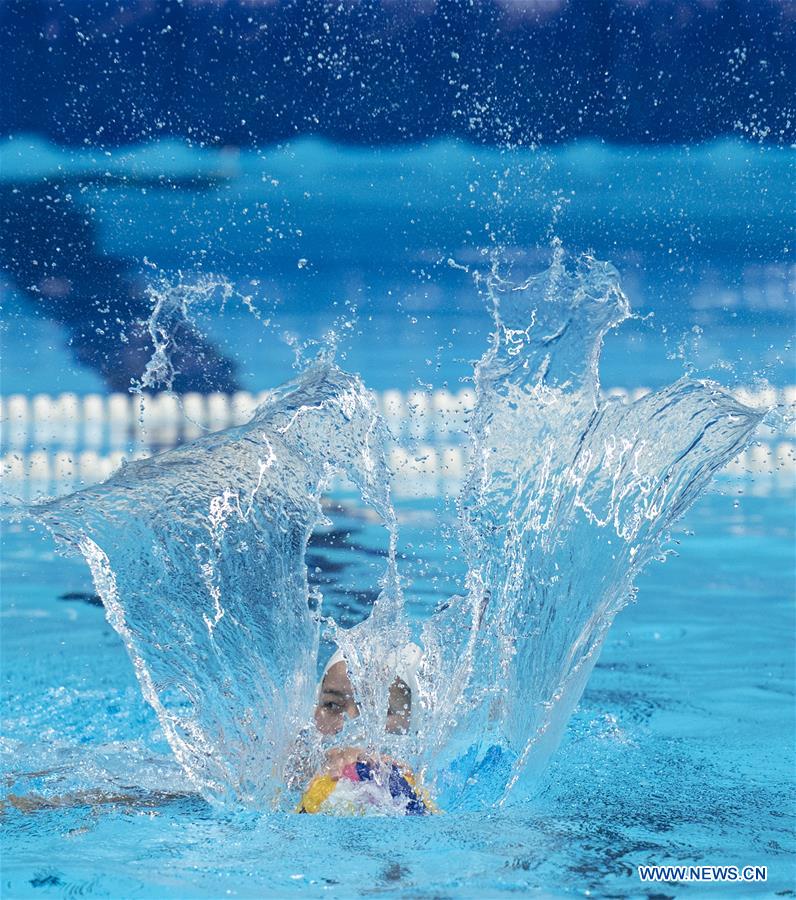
[50, 445]
[115, 421]
[424, 471]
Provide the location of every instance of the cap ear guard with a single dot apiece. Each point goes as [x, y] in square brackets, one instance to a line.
[406, 662]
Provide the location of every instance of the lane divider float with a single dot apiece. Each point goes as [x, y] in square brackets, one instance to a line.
[114, 421]
[423, 471]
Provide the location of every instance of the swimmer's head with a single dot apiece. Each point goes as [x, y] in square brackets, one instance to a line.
[336, 700]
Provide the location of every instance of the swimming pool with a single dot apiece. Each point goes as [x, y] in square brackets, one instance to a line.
[681, 749]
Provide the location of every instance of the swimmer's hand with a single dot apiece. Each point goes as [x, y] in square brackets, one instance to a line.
[338, 758]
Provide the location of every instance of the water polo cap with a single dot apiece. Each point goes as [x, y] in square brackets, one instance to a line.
[405, 662]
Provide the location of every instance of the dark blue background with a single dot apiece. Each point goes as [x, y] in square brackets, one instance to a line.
[515, 74]
[398, 70]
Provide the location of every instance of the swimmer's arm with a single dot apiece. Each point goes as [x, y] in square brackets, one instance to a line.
[30, 803]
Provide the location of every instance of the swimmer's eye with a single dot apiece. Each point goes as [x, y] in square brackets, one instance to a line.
[331, 706]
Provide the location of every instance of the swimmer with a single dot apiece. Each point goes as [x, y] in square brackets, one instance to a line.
[352, 780]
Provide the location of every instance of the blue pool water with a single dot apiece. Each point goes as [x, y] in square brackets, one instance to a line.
[313, 232]
[682, 747]
[681, 750]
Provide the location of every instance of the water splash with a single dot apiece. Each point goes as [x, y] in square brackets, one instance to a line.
[199, 555]
[170, 321]
[177, 347]
[567, 498]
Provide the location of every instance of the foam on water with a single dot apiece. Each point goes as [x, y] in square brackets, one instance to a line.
[199, 556]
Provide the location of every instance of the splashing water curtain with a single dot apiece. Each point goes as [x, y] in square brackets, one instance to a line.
[198, 555]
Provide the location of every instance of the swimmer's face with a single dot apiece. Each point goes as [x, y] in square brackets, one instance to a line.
[335, 700]
[336, 703]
